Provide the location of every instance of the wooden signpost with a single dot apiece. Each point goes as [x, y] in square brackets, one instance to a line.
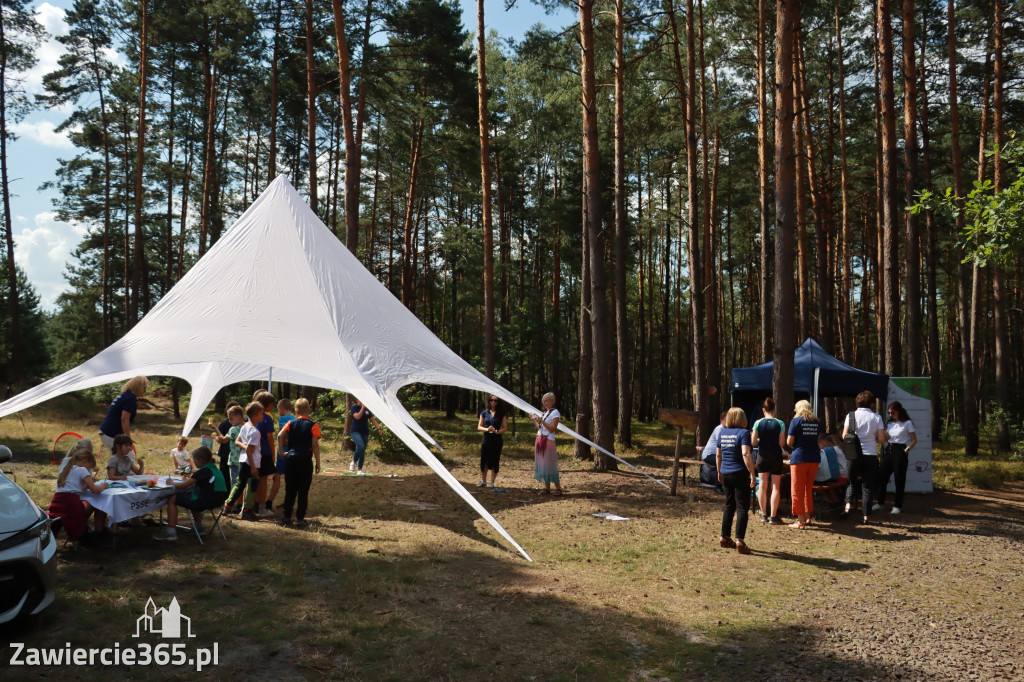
[681, 419]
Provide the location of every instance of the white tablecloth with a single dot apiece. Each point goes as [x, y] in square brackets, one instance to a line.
[121, 504]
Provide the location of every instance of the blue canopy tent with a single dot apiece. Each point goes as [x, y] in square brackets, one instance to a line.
[816, 375]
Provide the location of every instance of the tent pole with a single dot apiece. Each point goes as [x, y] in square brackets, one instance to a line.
[817, 375]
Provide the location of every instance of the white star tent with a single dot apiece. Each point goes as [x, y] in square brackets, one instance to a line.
[279, 294]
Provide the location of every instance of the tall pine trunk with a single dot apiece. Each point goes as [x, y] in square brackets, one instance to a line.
[274, 78]
[622, 343]
[891, 294]
[913, 253]
[603, 397]
[969, 419]
[485, 189]
[934, 354]
[12, 273]
[764, 191]
[311, 108]
[999, 313]
[710, 279]
[786, 22]
[845, 292]
[140, 155]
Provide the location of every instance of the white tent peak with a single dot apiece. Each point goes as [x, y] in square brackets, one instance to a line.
[279, 293]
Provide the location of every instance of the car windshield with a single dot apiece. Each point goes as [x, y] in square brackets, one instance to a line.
[17, 510]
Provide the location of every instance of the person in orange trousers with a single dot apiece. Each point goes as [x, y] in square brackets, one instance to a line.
[803, 439]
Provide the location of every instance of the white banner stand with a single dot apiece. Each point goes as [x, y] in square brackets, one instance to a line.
[915, 394]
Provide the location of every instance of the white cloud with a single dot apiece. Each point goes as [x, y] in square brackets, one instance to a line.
[52, 19]
[49, 52]
[43, 251]
[43, 132]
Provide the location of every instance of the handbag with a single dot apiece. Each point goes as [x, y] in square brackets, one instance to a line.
[851, 442]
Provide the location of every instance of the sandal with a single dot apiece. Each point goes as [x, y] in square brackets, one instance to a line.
[557, 493]
[798, 524]
[543, 492]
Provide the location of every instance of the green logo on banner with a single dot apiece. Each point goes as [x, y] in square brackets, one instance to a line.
[918, 386]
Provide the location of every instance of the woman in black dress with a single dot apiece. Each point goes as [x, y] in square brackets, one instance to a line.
[493, 422]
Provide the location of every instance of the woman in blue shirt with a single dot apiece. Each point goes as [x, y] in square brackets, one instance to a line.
[803, 438]
[737, 475]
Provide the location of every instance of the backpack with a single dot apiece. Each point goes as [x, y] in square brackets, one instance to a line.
[851, 442]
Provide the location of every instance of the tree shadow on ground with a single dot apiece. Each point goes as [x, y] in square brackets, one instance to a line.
[290, 606]
[819, 562]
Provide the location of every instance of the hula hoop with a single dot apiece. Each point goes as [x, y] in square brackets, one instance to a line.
[53, 455]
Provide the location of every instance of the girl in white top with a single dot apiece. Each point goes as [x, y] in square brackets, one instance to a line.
[76, 478]
[902, 438]
[545, 466]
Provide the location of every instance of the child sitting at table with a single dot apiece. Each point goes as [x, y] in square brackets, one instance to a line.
[122, 462]
[183, 465]
[834, 468]
[74, 479]
[208, 492]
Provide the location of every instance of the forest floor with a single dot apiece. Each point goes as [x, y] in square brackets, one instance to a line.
[397, 579]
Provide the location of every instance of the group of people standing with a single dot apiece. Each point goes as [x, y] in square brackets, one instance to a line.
[805, 439]
[493, 422]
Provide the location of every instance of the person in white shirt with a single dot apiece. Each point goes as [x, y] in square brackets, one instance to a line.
[871, 432]
[182, 459]
[545, 466]
[896, 457]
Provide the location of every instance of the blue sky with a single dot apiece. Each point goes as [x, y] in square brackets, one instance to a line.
[42, 243]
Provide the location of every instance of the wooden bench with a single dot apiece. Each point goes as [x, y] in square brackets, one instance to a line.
[681, 419]
[684, 463]
[819, 489]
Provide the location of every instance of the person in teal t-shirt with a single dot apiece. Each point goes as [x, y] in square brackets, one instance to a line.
[768, 436]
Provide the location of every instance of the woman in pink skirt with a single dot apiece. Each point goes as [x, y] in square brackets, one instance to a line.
[545, 464]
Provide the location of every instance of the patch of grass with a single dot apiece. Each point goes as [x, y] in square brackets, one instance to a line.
[953, 469]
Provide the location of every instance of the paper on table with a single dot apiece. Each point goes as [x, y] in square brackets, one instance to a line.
[610, 517]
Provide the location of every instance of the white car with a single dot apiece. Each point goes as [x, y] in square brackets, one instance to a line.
[28, 551]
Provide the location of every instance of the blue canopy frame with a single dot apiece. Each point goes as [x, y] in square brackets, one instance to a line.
[816, 374]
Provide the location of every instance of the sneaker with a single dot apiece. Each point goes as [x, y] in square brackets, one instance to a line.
[777, 521]
[286, 521]
[167, 534]
[896, 510]
[232, 510]
[481, 484]
[360, 473]
[300, 523]
[351, 466]
[876, 507]
[247, 515]
[264, 513]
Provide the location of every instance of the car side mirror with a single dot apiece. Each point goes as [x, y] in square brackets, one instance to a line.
[5, 454]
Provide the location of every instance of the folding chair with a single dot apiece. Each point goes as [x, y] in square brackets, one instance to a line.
[216, 521]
